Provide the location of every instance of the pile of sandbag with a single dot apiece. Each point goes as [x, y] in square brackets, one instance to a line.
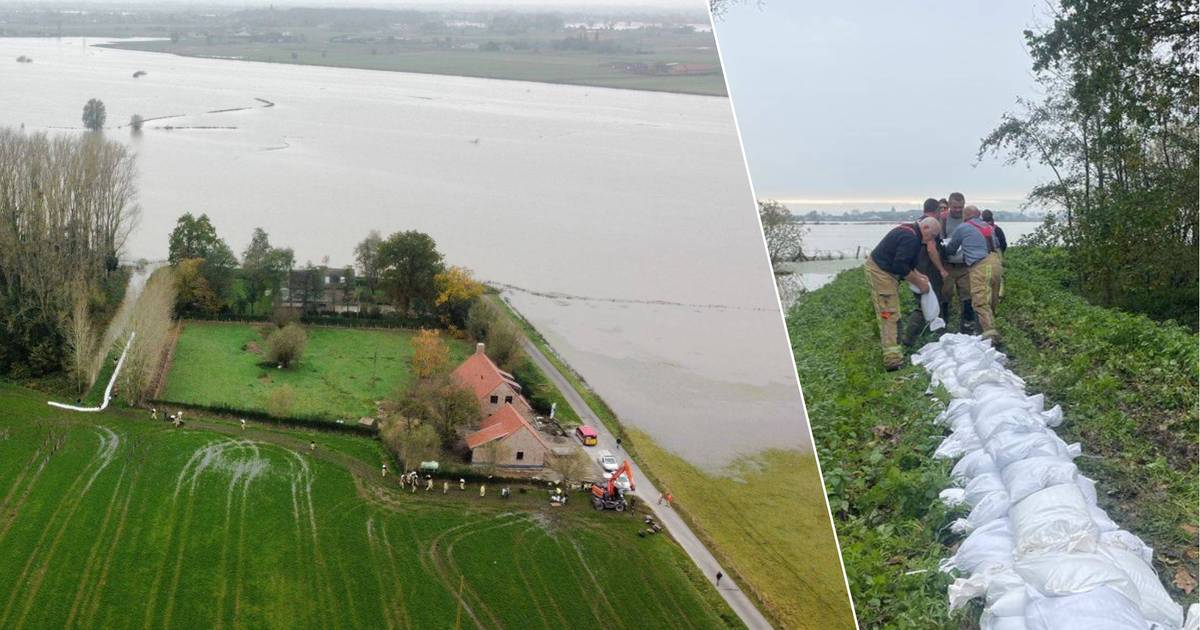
[1037, 549]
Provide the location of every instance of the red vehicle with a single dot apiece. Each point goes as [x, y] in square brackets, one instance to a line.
[587, 435]
[608, 496]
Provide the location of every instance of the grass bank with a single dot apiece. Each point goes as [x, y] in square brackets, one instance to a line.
[1128, 387]
[341, 375]
[111, 520]
[763, 517]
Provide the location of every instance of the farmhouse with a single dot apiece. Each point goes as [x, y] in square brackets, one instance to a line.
[493, 388]
[507, 439]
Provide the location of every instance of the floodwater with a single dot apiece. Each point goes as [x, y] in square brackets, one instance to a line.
[625, 218]
[847, 244]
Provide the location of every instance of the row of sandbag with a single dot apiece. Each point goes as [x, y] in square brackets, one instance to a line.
[1038, 550]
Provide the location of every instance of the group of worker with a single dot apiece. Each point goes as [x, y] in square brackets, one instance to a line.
[955, 251]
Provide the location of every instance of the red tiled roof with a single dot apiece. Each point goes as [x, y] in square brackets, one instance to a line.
[481, 376]
[502, 424]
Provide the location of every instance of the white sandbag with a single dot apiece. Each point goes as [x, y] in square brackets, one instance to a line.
[1003, 623]
[1024, 477]
[1153, 600]
[972, 465]
[1100, 609]
[1053, 519]
[1193, 618]
[988, 547]
[992, 506]
[1059, 574]
[1122, 539]
[929, 308]
[1016, 420]
[958, 443]
[1006, 447]
[995, 403]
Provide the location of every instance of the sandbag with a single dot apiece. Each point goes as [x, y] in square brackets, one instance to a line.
[929, 308]
[1153, 600]
[1053, 519]
[1059, 574]
[1100, 609]
[1024, 477]
[988, 547]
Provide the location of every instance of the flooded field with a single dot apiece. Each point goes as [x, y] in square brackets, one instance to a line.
[622, 220]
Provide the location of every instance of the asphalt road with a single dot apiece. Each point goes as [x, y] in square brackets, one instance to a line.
[648, 495]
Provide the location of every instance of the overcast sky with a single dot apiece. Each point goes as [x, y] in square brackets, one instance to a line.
[876, 102]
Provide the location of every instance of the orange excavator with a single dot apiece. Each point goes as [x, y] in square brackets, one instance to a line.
[608, 495]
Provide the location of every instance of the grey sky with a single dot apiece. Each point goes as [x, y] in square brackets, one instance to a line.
[700, 7]
[877, 101]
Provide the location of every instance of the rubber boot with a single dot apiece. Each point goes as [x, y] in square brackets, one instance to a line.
[966, 325]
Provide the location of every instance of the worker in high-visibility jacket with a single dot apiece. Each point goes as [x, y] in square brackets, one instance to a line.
[976, 241]
[894, 259]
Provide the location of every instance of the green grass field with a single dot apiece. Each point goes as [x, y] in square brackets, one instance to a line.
[112, 520]
[546, 66]
[343, 372]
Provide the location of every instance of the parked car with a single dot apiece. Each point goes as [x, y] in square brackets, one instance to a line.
[607, 461]
[586, 434]
[622, 483]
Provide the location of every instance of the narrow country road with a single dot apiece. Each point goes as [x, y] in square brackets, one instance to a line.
[648, 494]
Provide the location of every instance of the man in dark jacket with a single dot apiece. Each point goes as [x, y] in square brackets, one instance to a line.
[929, 262]
[893, 259]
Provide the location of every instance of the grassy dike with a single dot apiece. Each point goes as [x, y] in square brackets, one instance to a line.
[764, 518]
[1128, 387]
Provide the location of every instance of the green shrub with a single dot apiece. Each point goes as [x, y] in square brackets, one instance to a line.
[286, 345]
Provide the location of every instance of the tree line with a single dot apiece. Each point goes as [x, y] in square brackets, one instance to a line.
[1117, 128]
[404, 272]
[66, 209]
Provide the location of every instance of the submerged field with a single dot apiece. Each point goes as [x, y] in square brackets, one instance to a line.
[343, 372]
[111, 520]
[1127, 386]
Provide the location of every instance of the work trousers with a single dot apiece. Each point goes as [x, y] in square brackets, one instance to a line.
[885, 297]
[985, 278]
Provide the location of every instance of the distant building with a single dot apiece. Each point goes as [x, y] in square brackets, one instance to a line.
[493, 388]
[506, 439]
[319, 289]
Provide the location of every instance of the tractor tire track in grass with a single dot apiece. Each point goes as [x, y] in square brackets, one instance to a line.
[598, 590]
[376, 552]
[468, 591]
[396, 577]
[244, 473]
[439, 569]
[208, 456]
[56, 528]
[10, 510]
[81, 590]
[386, 573]
[520, 559]
[91, 601]
[327, 600]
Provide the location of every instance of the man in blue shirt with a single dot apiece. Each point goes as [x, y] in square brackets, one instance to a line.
[957, 283]
[893, 259]
[974, 240]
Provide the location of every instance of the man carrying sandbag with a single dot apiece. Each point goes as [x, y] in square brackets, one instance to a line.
[895, 257]
[974, 239]
[929, 262]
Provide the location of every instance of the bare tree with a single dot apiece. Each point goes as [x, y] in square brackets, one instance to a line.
[571, 467]
[81, 340]
[151, 322]
[67, 206]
